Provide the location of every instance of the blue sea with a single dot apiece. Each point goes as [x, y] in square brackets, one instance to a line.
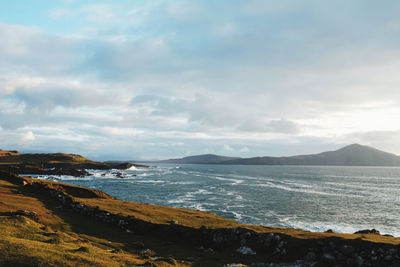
[345, 199]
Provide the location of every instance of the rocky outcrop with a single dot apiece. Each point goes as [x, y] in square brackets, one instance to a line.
[54, 164]
[367, 231]
[32, 169]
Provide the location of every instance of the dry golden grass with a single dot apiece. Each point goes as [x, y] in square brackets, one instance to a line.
[51, 240]
[160, 214]
[7, 157]
[8, 153]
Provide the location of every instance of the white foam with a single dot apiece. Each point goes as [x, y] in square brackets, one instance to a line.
[306, 191]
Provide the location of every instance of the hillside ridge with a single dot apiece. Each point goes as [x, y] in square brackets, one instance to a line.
[351, 155]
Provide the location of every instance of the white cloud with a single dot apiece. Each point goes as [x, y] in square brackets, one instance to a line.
[59, 13]
[244, 149]
[228, 148]
[97, 12]
[28, 137]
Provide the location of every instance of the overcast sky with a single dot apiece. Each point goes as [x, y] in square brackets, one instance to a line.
[141, 79]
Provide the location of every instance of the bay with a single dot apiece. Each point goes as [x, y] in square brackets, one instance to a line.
[315, 198]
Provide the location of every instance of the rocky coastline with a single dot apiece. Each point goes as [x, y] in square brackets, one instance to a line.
[249, 245]
[55, 164]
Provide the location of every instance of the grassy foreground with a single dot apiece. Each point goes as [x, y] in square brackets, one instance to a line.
[58, 236]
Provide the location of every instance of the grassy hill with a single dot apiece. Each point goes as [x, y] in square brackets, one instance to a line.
[53, 163]
[7, 157]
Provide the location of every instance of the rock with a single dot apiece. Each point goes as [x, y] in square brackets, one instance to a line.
[340, 257]
[173, 222]
[367, 231]
[122, 166]
[310, 257]
[276, 239]
[347, 250]
[119, 175]
[329, 231]
[147, 252]
[328, 258]
[358, 261]
[27, 213]
[388, 258]
[246, 251]
[268, 240]
[209, 250]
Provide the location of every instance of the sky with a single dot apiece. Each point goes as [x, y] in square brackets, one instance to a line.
[140, 79]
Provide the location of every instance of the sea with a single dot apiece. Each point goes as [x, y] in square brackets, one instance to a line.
[314, 198]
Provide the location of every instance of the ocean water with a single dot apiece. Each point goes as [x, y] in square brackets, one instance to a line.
[345, 199]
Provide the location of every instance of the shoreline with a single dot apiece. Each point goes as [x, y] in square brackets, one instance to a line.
[210, 231]
[310, 229]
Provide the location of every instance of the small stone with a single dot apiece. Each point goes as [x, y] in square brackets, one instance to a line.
[245, 251]
[209, 250]
[358, 261]
[388, 258]
[347, 250]
[27, 213]
[310, 257]
[147, 252]
[328, 258]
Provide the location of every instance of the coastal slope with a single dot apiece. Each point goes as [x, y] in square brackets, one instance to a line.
[54, 163]
[352, 155]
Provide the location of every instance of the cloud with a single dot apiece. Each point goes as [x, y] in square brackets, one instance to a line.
[92, 12]
[254, 75]
[283, 126]
[28, 137]
[228, 148]
[244, 149]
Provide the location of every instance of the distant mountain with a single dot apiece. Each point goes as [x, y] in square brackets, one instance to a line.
[352, 155]
[201, 159]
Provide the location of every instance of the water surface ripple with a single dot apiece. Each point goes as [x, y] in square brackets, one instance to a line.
[315, 198]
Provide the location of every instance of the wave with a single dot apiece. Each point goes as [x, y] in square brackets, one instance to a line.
[305, 191]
